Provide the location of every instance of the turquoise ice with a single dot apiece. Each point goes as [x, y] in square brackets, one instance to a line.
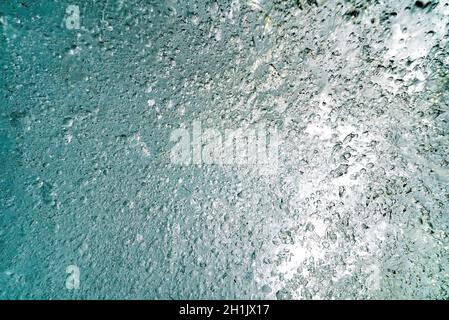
[91, 205]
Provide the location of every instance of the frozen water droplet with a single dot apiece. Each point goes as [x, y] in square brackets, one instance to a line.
[67, 122]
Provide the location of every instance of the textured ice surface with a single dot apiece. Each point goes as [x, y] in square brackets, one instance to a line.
[358, 208]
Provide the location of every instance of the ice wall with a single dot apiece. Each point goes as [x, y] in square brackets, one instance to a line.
[358, 206]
